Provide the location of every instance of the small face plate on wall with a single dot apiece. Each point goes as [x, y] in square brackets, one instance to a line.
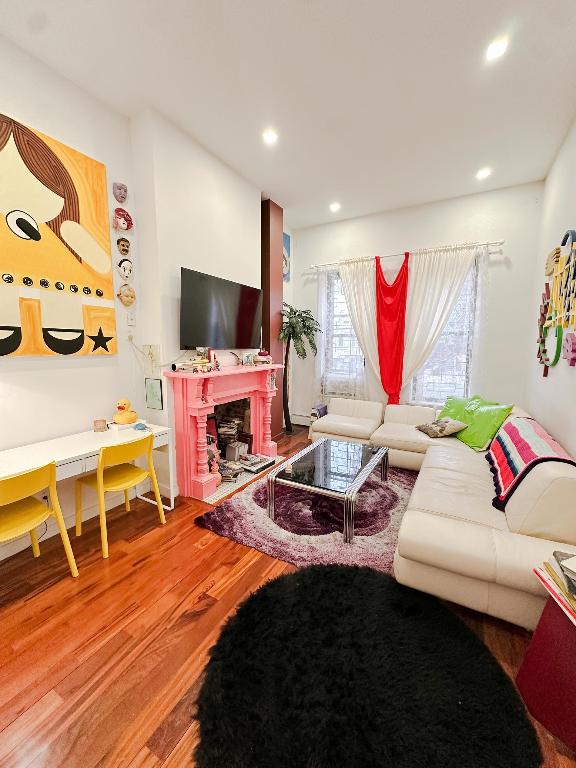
[120, 191]
[122, 220]
[125, 268]
[127, 295]
[123, 245]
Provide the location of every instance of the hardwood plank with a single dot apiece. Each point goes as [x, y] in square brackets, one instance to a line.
[103, 671]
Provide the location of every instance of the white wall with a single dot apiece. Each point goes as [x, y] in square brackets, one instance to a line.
[552, 400]
[501, 356]
[200, 214]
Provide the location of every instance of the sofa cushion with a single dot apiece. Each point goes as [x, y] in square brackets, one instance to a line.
[544, 505]
[465, 497]
[403, 437]
[409, 414]
[484, 420]
[364, 409]
[474, 551]
[345, 426]
[441, 427]
[455, 408]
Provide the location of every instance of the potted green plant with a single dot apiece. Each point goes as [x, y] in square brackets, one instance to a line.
[298, 327]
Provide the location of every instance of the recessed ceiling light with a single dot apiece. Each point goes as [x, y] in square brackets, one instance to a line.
[483, 173]
[335, 207]
[497, 48]
[269, 136]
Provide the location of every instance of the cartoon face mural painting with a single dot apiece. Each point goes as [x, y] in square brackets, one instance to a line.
[56, 291]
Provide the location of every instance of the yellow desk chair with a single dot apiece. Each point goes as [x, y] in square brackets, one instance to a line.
[21, 513]
[116, 473]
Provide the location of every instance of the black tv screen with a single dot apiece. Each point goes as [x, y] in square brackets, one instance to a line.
[218, 313]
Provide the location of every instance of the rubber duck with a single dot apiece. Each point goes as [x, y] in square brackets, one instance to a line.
[124, 415]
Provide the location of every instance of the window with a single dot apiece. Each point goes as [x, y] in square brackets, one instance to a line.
[447, 370]
[342, 360]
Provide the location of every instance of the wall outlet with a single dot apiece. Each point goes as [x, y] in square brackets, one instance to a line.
[131, 317]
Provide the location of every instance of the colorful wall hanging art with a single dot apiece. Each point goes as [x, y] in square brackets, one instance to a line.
[558, 307]
[286, 257]
[56, 291]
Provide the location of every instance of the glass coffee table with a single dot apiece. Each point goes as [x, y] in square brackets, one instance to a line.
[334, 468]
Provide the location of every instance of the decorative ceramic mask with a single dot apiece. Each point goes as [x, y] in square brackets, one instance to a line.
[120, 191]
[125, 268]
[122, 219]
[123, 245]
[127, 295]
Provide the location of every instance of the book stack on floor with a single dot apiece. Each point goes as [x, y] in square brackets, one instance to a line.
[558, 576]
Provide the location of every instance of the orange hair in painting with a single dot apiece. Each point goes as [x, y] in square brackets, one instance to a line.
[47, 168]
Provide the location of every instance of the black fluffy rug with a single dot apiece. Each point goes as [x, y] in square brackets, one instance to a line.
[342, 667]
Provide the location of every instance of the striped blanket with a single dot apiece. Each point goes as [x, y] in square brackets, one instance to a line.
[521, 444]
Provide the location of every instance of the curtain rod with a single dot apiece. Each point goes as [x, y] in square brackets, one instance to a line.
[486, 244]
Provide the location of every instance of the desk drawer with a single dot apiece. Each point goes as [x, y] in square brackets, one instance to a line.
[161, 439]
[70, 469]
[91, 463]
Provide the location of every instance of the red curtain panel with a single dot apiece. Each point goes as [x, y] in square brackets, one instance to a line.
[390, 322]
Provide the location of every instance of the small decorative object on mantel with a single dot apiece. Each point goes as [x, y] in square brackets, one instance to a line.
[263, 358]
[124, 413]
[196, 365]
[558, 307]
[120, 191]
[123, 245]
[122, 220]
[248, 358]
[100, 425]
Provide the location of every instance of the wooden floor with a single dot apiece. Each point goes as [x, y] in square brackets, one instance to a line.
[103, 670]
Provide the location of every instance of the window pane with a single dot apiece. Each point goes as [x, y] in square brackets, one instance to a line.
[342, 358]
[447, 370]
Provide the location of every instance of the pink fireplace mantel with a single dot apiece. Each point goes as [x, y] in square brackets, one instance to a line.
[195, 395]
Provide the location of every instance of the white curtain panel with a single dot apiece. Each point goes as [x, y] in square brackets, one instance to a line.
[359, 285]
[435, 280]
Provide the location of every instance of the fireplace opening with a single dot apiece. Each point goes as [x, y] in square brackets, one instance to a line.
[230, 427]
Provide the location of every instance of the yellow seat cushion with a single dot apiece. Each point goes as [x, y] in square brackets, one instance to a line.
[21, 517]
[117, 478]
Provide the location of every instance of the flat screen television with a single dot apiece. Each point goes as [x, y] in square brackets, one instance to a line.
[218, 313]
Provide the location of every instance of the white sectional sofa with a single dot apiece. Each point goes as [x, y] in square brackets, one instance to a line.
[453, 543]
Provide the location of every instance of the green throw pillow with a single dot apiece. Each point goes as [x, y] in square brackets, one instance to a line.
[484, 419]
[455, 408]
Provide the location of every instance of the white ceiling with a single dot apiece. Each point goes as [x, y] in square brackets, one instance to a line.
[379, 103]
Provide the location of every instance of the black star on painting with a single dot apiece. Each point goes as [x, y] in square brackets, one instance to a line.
[100, 341]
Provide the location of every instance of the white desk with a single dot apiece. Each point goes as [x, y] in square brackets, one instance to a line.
[76, 454]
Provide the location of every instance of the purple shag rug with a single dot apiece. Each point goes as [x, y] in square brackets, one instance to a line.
[308, 527]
